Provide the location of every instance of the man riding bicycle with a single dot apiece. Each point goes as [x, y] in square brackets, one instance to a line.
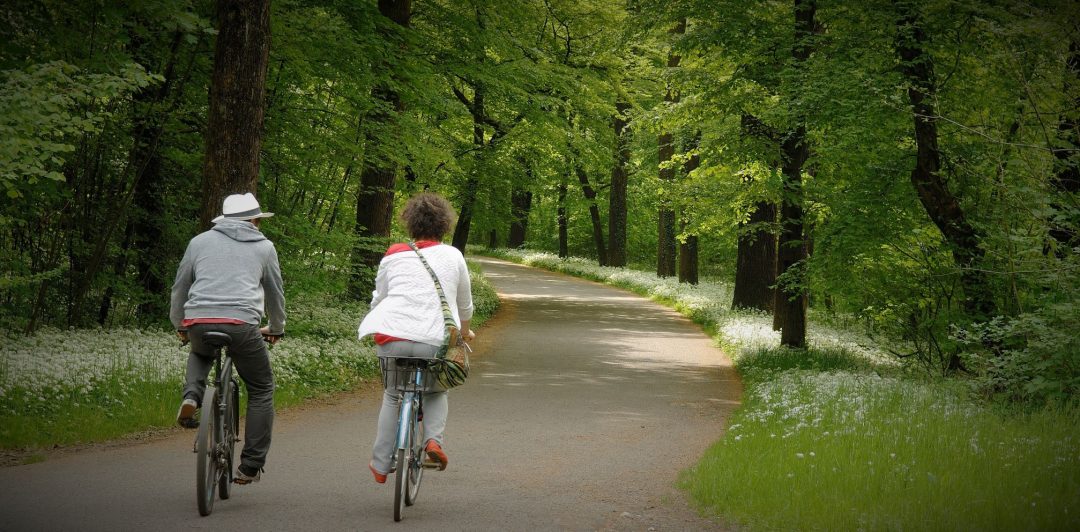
[228, 276]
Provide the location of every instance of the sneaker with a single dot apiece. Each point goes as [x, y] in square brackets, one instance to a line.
[185, 417]
[379, 477]
[243, 478]
[435, 454]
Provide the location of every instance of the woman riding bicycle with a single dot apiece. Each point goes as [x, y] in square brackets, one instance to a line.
[406, 318]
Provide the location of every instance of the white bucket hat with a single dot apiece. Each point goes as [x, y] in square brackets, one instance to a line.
[241, 207]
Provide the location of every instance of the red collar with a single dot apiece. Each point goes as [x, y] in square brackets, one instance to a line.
[421, 244]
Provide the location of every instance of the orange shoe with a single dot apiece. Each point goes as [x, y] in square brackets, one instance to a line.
[435, 454]
[379, 477]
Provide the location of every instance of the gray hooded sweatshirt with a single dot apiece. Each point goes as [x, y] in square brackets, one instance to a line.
[230, 271]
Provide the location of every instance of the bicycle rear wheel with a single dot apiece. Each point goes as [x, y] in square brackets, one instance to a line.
[230, 429]
[206, 467]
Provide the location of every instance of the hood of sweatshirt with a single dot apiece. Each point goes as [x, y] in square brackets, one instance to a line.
[239, 230]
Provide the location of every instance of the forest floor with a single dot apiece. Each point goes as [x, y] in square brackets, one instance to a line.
[584, 405]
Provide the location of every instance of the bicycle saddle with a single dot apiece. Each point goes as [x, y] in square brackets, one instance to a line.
[217, 339]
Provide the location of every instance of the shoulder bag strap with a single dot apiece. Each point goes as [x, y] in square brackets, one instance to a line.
[448, 316]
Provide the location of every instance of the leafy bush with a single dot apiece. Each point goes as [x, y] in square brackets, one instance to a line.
[1039, 358]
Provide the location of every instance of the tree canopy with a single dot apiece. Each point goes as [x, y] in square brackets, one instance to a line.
[909, 164]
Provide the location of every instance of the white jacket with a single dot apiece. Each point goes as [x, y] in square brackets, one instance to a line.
[405, 304]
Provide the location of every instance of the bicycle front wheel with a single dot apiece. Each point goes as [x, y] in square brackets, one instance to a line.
[206, 467]
[415, 470]
[230, 429]
[401, 483]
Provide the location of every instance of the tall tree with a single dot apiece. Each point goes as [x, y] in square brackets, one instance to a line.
[941, 205]
[375, 198]
[564, 245]
[666, 244]
[688, 248]
[594, 213]
[520, 205]
[1066, 179]
[147, 160]
[477, 110]
[235, 123]
[790, 306]
[617, 194]
[755, 262]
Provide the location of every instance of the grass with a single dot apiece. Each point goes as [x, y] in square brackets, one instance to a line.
[839, 447]
[842, 437]
[63, 387]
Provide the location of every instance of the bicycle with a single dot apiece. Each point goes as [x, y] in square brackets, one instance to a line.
[219, 427]
[410, 378]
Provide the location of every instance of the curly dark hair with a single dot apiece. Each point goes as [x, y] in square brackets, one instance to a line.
[427, 216]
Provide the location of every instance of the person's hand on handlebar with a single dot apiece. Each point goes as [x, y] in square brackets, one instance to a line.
[182, 335]
[272, 338]
[469, 335]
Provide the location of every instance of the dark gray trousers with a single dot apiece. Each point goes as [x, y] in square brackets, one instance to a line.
[252, 362]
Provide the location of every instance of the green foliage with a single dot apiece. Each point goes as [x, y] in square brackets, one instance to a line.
[485, 300]
[103, 106]
[44, 108]
[1038, 359]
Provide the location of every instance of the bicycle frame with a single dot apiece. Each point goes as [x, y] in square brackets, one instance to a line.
[224, 372]
[409, 399]
[216, 439]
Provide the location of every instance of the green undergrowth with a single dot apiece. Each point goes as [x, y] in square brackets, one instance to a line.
[64, 387]
[825, 441]
[842, 437]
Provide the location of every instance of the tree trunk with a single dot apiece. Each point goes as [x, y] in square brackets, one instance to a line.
[375, 199]
[617, 196]
[564, 246]
[520, 205]
[666, 245]
[688, 260]
[235, 122]
[465, 216]
[790, 305]
[688, 249]
[374, 217]
[119, 271]
[755, 266]
[1066, 178]
[941, 205]
[594, 215]
[150, 186]
[346, 177]
[472, 184]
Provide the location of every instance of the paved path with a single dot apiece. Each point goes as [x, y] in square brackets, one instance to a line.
[585, 403]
